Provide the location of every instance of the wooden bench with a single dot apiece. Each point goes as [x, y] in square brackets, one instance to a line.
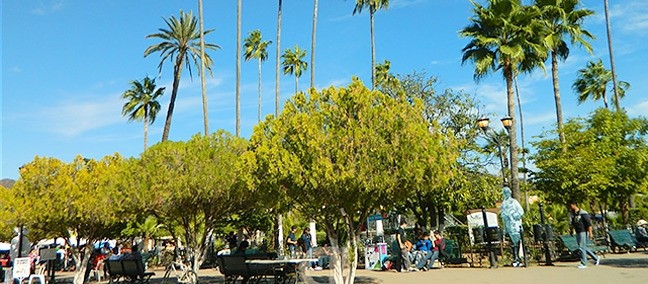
[128, 270]
[235, 266]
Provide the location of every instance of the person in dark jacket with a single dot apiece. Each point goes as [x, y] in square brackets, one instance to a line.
[582, 225]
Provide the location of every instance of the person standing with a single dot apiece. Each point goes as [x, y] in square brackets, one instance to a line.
[307, 245]
[582, 225]
[403, 259]
[291, 241]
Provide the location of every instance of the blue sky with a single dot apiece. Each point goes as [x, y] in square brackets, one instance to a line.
[65, 64]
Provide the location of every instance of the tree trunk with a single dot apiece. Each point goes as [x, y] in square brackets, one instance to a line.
[177, 71]
[373, 49]
[515, 186]
[277, 61]
[202, 68]
[313, 36]
[617, 104]
[146, 114]
[556, 87]
[605, 99]
[280, 238]
[524, 174]
[238, 67]
[296, 84]
[81, 263]
[336, 259]
[259, 87]
[353, 237]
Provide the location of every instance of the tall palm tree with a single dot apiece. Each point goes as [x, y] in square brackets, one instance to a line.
[562, 19]
[617, 95]
[256, 47]
[203, 84]
[505, 35]
[141, 103]
[592, 83]
[179, 46]
[293, 63]
[277, 62]
[238, 67]
[313, 36]
[373, 5]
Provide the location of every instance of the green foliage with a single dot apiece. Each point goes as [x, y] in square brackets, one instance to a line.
[605, 159]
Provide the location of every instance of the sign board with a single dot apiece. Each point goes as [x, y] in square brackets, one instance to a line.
[21, 268]
[375, 224]
[476, 219]
[375, 256]
[48, 254]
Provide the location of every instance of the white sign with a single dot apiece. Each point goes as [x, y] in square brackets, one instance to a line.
[476, 219]
[21, 268]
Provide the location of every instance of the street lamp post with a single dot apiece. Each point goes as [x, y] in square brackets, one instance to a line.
[506, 122]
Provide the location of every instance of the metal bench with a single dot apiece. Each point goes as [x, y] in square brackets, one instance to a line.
[127, 270]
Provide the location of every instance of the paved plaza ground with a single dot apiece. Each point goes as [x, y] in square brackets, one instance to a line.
[614, 268]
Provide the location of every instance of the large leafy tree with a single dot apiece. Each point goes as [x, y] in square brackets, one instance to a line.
[79, 200]
[505, 36]
[605, 159]
[256, 48]
[373, 6]
[179, 45]
[592, 83]
[563, 20]
[190, 186]
[294, 64]
[342, 153]
[142, 103]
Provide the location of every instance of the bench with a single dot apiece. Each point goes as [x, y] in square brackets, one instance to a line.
[622, 240]
[235, 266]
[130, 270]
[571, 245]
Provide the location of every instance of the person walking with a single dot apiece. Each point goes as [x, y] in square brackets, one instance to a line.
[582, 225]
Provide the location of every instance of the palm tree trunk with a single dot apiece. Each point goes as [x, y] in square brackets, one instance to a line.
[146, 114]
[202, 68]
[296, 84]
[556, 87]
[313, 36]
[259, 87]
[373, 49]
[238, 67]
[617, 105]
[277, 62]
[177, 71]
[515, 185]
[524, 174]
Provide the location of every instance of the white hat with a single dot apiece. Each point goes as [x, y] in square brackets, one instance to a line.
[642, 222]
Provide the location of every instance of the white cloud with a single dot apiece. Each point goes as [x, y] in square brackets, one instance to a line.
[631, 17]
[43, 8]
[640, 108]
[404, 3]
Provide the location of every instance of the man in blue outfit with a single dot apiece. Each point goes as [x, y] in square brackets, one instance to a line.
[582, 224]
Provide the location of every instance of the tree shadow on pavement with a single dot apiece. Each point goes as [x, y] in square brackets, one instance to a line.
[638, 261]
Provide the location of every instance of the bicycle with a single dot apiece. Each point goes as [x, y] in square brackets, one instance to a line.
[182, 273]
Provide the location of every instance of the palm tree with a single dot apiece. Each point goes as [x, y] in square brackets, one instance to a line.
[141, 103]
[256, 47]
[592, 83]
[496, 143]
[179, 45]
[293, 63]
[277, 62]
[238, 67]
[505, 36]
[373, 5]
[203, 86]
[617, 94]
[562, 18]
[313, 36]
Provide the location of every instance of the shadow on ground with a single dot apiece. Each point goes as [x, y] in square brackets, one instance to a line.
[639, 260]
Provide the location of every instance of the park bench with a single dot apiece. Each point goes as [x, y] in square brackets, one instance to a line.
[571, 245]
[234, 267]
[128, 270]
[622, 240]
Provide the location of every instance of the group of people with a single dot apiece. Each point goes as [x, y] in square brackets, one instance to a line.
[419, 257]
